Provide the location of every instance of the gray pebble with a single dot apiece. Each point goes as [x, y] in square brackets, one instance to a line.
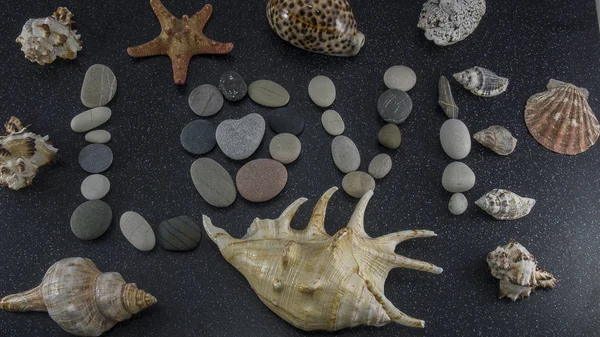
[389, 136]
[98, 137]
[90, 119]
[333, 122]
[198, 137]
[345, 154]
[380, 166]
[394, 106]
[95, 187]
[400, 77]
[206, 100]
[286, 120]
[213, 182]
[458, 177]
[268, 93]
[358, 183]
[99, 86]
[95, 158]
[233, 86]
[137, 231]
[179, 234]
[322, 91]
[91, 219]
[238, 139]
[455, 139]
[285, 148]
[458, 204]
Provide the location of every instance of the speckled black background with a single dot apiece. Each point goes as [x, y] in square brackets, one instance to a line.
[199, 293]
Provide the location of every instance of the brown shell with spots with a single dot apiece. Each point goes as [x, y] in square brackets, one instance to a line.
[321, 26]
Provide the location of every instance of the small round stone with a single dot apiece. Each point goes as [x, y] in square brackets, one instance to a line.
[268, 93]
[458, 178]
[345, 154]
[394, 106]
[98, 137]
[198, 137]
[380, 166]
[458, 204]
[333, 122]
[91, 219]
[261, 180]
[213, 182]
[95, 158]
[358, 183]
[95, 187]
[233, 86]
[400, 77]
[179, 234]
[322, 91]
[137, 231]
[206, 100]
[90, 119]
[99, 86]
[286, 120]
[455, 139]
[390, 136]
[285, 148]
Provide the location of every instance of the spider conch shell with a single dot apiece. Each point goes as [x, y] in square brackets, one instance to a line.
[482, 82]
[446, 22]
[43, 40]
[518, 271]
[498, 139]
[316, 281]
[21, 154]
[80, 298]
[505, 205]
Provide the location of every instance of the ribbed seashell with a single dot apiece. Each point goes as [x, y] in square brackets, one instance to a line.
[498, 139]
[316, 281]
[446, 22]
[21, 154]
[505, 205]
[80, 298]
[561, 119]
[43, 40]
[321, 26]
[446, 100]
[518, 271]
[482, 82]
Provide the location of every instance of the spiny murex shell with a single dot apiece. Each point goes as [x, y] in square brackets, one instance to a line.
[320, 26]
[316, 281]
[518, 271]
[446, 100]
[43, 40]
[482, 82]
[449, 21]
[21, 154]
[561, 119]
[505, 205]
[498, 139]
[80, 298]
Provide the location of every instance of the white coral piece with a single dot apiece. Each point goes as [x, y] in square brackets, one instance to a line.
[449, 21]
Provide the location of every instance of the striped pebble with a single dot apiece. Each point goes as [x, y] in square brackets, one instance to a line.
[179, 234]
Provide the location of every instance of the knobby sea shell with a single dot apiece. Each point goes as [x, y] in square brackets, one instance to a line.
[316, 281]
[21, 154]
[446, 22]
[446, 100]
[80, 298]
[321, 26]
[43, 40]
[505, 205]
[561, 119]
[518, 271]
[482, 82]
[498, 139]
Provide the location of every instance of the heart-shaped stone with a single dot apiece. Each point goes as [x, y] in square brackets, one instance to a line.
[239, 138]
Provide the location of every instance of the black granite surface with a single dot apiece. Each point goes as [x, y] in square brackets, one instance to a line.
[199, 293]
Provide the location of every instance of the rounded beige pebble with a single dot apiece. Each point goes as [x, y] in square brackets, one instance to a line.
[458, 204]
[285, 148]
[333, 122]
[390, 136]
[95, 187]
[98, 137]
[137, 231]
[358, 183]
[322, 91]
[380, 166]
[90, 119]
[400, 77]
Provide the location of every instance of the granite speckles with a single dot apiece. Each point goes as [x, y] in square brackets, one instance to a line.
[322, 91]
[345, 154]
[198, 137]
[213, 182]
[137, 231]
[99, 86]
[205, 100]
[394, 106]
[261, 180]
[91, 219]
[95, 158]
[233, 86]
[179, 234]
[90, 119]
[238, 139]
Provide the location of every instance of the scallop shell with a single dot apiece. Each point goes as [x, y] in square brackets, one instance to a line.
[561, 119]
[518, 271]
[505, 205]
[316, 281]
[498, 139]
[482, 82]
[21, 154]
[446, 100]
[43, 40]
[321, 26]
[446, 22]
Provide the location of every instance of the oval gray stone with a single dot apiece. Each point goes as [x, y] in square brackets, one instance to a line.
[380, 166]
[268, 93]
[99, 86]
[179, 234]
[91, 219]
[238, 139]
[285, 148]
[394, 106]
[389, 136]
[333, 122]
[358, 183]
[322, 91]
[98, 137]
[198, 137]
[458, 177]
[95, 187]
[455, 139]
[137, 231]
[206, 100]
[400, 77]
[233, 86]
[90, 119]
[213, 182]
[458, 204]
[95, 158]
[345, 154]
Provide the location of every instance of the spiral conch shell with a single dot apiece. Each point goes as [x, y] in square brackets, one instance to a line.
[505, 205]
[43, 40]
[316, 281]
[482, 82]
[446, 22]
[518, 271]
[80, 298]
[498, 139]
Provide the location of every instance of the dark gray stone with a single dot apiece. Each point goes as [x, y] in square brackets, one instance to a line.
[91, 219]
[394, 106]
[233, 86]
[95, 158]
[198, 137]
[206, 100]
[286, 120]
[179, 234]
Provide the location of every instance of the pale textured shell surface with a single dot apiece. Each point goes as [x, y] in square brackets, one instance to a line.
[498, 139]
[518, 271]
[320, 26]
[43, 40]
[316, 281]
[561, 119]
[446, 100]
[505, 205]
[482, 82]
[449, 21]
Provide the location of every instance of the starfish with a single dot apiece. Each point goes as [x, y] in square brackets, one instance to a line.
[180, 39]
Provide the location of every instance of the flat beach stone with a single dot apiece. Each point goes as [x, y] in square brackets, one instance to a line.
[95, 187]
[137, 231]
[198, 137]
[345, 154]
[95, 158]
[358, 183]
[91, 219]
[285, 148]
[394, 106]
[239, 138]
[333, 122]
[179, 234]
[286, 120]
[90, 119]
[455, 139]
[205, 100]
[213, 182]
[380, 166]
[98, 137]
[268, 93]
[232, 86]
[322, 91]
[400, 77]
[389, 136]
[458, 204]
[261, 180]
[458, 177]
[99, 86]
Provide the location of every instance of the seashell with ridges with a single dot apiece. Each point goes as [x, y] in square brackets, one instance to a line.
[518, 271]
[43, 40]
[21, 154]
[446, 100]
[498, 139]
[505, 205]
[561, 119]
[321, 26]
[80, 298]
[316, 281]
[446, 22]
[482, 82]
